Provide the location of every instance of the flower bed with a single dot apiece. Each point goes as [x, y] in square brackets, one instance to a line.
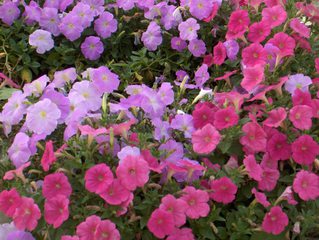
[159, 119]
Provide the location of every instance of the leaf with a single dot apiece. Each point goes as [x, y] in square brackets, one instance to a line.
[265, 236]
[6, 93]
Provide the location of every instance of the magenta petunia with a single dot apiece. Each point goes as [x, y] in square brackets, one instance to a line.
[254, 54]
[220, 53]
[304, 150]
[260, 197]
[225, 118]
[161, 223]
[252, 167]
[299, 27]
[223, 190]
[56, 210]
[275, 221]
[254, 137]
[115, 193]
[98, 178]
[10, 200]
[56, 184]
[176, 207]
[301, 117]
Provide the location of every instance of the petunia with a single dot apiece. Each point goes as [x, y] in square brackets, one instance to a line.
[275, 117]
[275, 221]
[104, 80]
[285, 43]
[278, 147]
[56, 184]
[92, 48]
[27, 215]
[200, 8]
[223, 190]
[206, 139]
[306, 185]
[188, 29]
[258, 32]
[56, 210]
[299, 27]
[176, 207]
[42, 40]
[220, 53]
[274, 16]
[20, 152]
[152, 38]
[86, 230]
[253, 76]
[42, 117]
[98, 178]
[133, 172]
[161, 223]
[301, 117]
[225, 118]
[304, 150]
[254, 170]
[106, 230]
[254, 137]
[254, 55]
[197, 202]
[9, 201]
[297, 81]
[260, 197]
[181, 234]
[115, 193]
[197, 47]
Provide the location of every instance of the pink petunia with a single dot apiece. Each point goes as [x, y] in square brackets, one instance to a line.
[176, 207]
[254, 137]
[86, 230]
[115, 193]
[300, 116]
[106, 230]
[9, 201]
[161, 223]
[68, 237]
[133, 172]
[304, 150]
[274, 16]
[48, 157]
[288, 195]
[223, 190]
[285, 43]
[259, 31]
[181, 234]
[18, 172]
[269, 179]
[299, 27]
[27, 215]
[56, 210]
[56, 184]
[261, 198]
[203, 114]
[275, 221]
[275, 117]
[225, 118]
[278, 147]
[98, 178]
[306, 185]
[206, 139]
[238, 21]
[197, 202]
[219, 54]
[252, 77]
[254, 55]
[253, 168]
[301, 98]
[317, 65]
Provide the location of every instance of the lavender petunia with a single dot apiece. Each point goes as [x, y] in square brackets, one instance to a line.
[152, 38]
[178, 44]
[65, 76]
[104, 80]
[171, 151]
[297, 81]
[161, 129]
[197, 47]
[201, 75]
[201, 8]
[84, 13]
[166, 93]
[9, 12]
[232, 49]
[105, 25]
[50, 20]
[183, 123]
[19, 152]
[20, 235]
[70, 27]
[42, 117]
[36, 87]
[92, 48]
[42, 40]
[188, 29]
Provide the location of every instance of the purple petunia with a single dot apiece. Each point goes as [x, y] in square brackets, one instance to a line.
[84, 13]
[42, 117]
[85, 95]
[50, 20]
[232, 49]
[20, 235]
[36, 87]
[65, 76]
[201, 75]
[161, 129]
[32, 12]
[105, 25]
[188, 29]
[152, 38]
[19, 152]
[126, 4]
[201, 8]
[42, 40]
[184, 123]
[70, 27]
[171, 151]
[92, 48]
[104, 80]
[197, 47]
[178, 44]
[9, 12]
[15, 108]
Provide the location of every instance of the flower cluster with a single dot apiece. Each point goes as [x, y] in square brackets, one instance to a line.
[210, 130]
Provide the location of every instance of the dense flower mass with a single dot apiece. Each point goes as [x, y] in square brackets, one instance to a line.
[128, 119]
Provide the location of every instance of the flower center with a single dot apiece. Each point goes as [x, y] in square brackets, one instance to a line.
[207, 139]
[273, 218]
[132, 171]
[43, 114]
[58, 186]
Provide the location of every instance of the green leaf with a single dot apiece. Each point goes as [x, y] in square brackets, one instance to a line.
[265, 236]
[6, 93]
